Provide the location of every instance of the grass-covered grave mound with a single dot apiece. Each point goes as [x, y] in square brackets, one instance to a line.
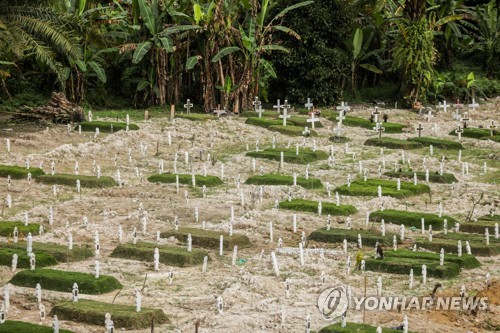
[401, 265]
[466, 261]
[437, 143]
[366, 123]
[263, 122]
[412, 219]
[478, 133]
[277, 179]
[449, 243]
[337, 235]
[169, 255]
[58, 280]
[434, 177]
[208, 238]
[312, 207]
[7, 228]
[393, 143]
[196, 116]
[292, 130]
[305, 155]
[389, 188]
[105, 126]
[16, 172]
[169, 178]
[70, 180]
[483, 222]
[354, 328]
[60, 252]
[11, 326]
[23, 260]
[93, 312]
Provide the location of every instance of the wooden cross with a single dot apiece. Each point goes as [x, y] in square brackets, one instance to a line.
[379, 128]
[260, 110]
[473, 105]
[284, 116]
[306, 131]
[277, 106]
[375, 114]
[459, 132]
[429, 115]
[465, 119]
[343, 107]
[419, 129]
[309, 104]
[312, 120]
[443, 106]
[256, 103]
[492, 127]
[340, 117]
[337, 128]
[188, 106]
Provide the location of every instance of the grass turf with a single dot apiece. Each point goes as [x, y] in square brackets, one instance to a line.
[208, 238]
[169, 255]
[449, 244]
[51, 279]
[478, 133]
[263, 122]
[399, 265]
[60, 252]
[411, 219]
[366, 123]
[70, 180]
[446, 178]
[169, 178]
[354, 328]
[302, 122]
[478, 227]
[16, 172]
[437, 143]
[7, 228]
[337, 235]
[389, 188]
[11, 326]
[312, 207]
[23, 260]
[196, 116]
[289, 155]
[466, 261]
[291, 130]
[105, 126]
[92, 312]
[392, 143]
[276, 179]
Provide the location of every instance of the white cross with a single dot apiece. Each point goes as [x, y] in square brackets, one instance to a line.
[429, 115]
[443, 106]
[376, 113]
[188, 106]
[260, 110]
[338, 128]
[340, 117]
[343, 107]
[284, 116]
[492, 127]
[312, 120]
[306, 131]
[256, 103]
[473, 105]
[435, 128]
[277, 106]
[459, 132]
[465, 118]
[219, 111]
[309, 104]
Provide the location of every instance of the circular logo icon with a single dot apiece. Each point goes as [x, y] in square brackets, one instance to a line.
[332, 302]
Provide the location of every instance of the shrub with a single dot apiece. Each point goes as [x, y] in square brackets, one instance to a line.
[291, 130]
[51, 279]
[336, 235]
[70, 180]
[169, 255]
[60, 252]
[289, 155]
[23, 260]
[262, 122]
[169, 178]
[92, 312]
[477, 133]
[312, 207]
[366, 123]
[105, 126]
[389, 188]
[11, 326]
[16, 172]
[411, 219]
[398, 265]
[393, 143]
[466, 261]
[354, 327]
[446, 178]
[276, 179]
[7, 228]
[208, 238]
[196, 116]
[437, 143]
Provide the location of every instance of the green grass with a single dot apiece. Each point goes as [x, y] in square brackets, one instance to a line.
[289, 155]
[477, 133]
[92, 312]
[16, 172]
[489, 218]
[354, 328]
[276, 179]
[23, 260]
[312, 207]
[478, 227]
[169, 255]
[7, 228]
[392, 143]
[253, 114]
[466, 261]
[411, 219]
[337, 235]
[399, 265]
[365, 123]
[263, 122]
[168, 178]
[70, 180]
[291, 130]
[389, 188]
[195, 116]
[105, 126]
[11, 326]
[449, 244]
[446, 178]
[207, 238]
[57, 280]
[302, 122]
[60, 252]
[437, 143]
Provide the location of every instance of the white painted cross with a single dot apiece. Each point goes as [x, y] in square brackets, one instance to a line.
[312, 120]
[343, 107]
[188, 106]
[284, 116]
[473, 105]
[429, 115]
[309, 104]
[277, 106]
[459, 132]
[443, 106]
[465, 118]
[375, 114]
[340, 118]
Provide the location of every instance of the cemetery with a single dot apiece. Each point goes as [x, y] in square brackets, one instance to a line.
[249, 166]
